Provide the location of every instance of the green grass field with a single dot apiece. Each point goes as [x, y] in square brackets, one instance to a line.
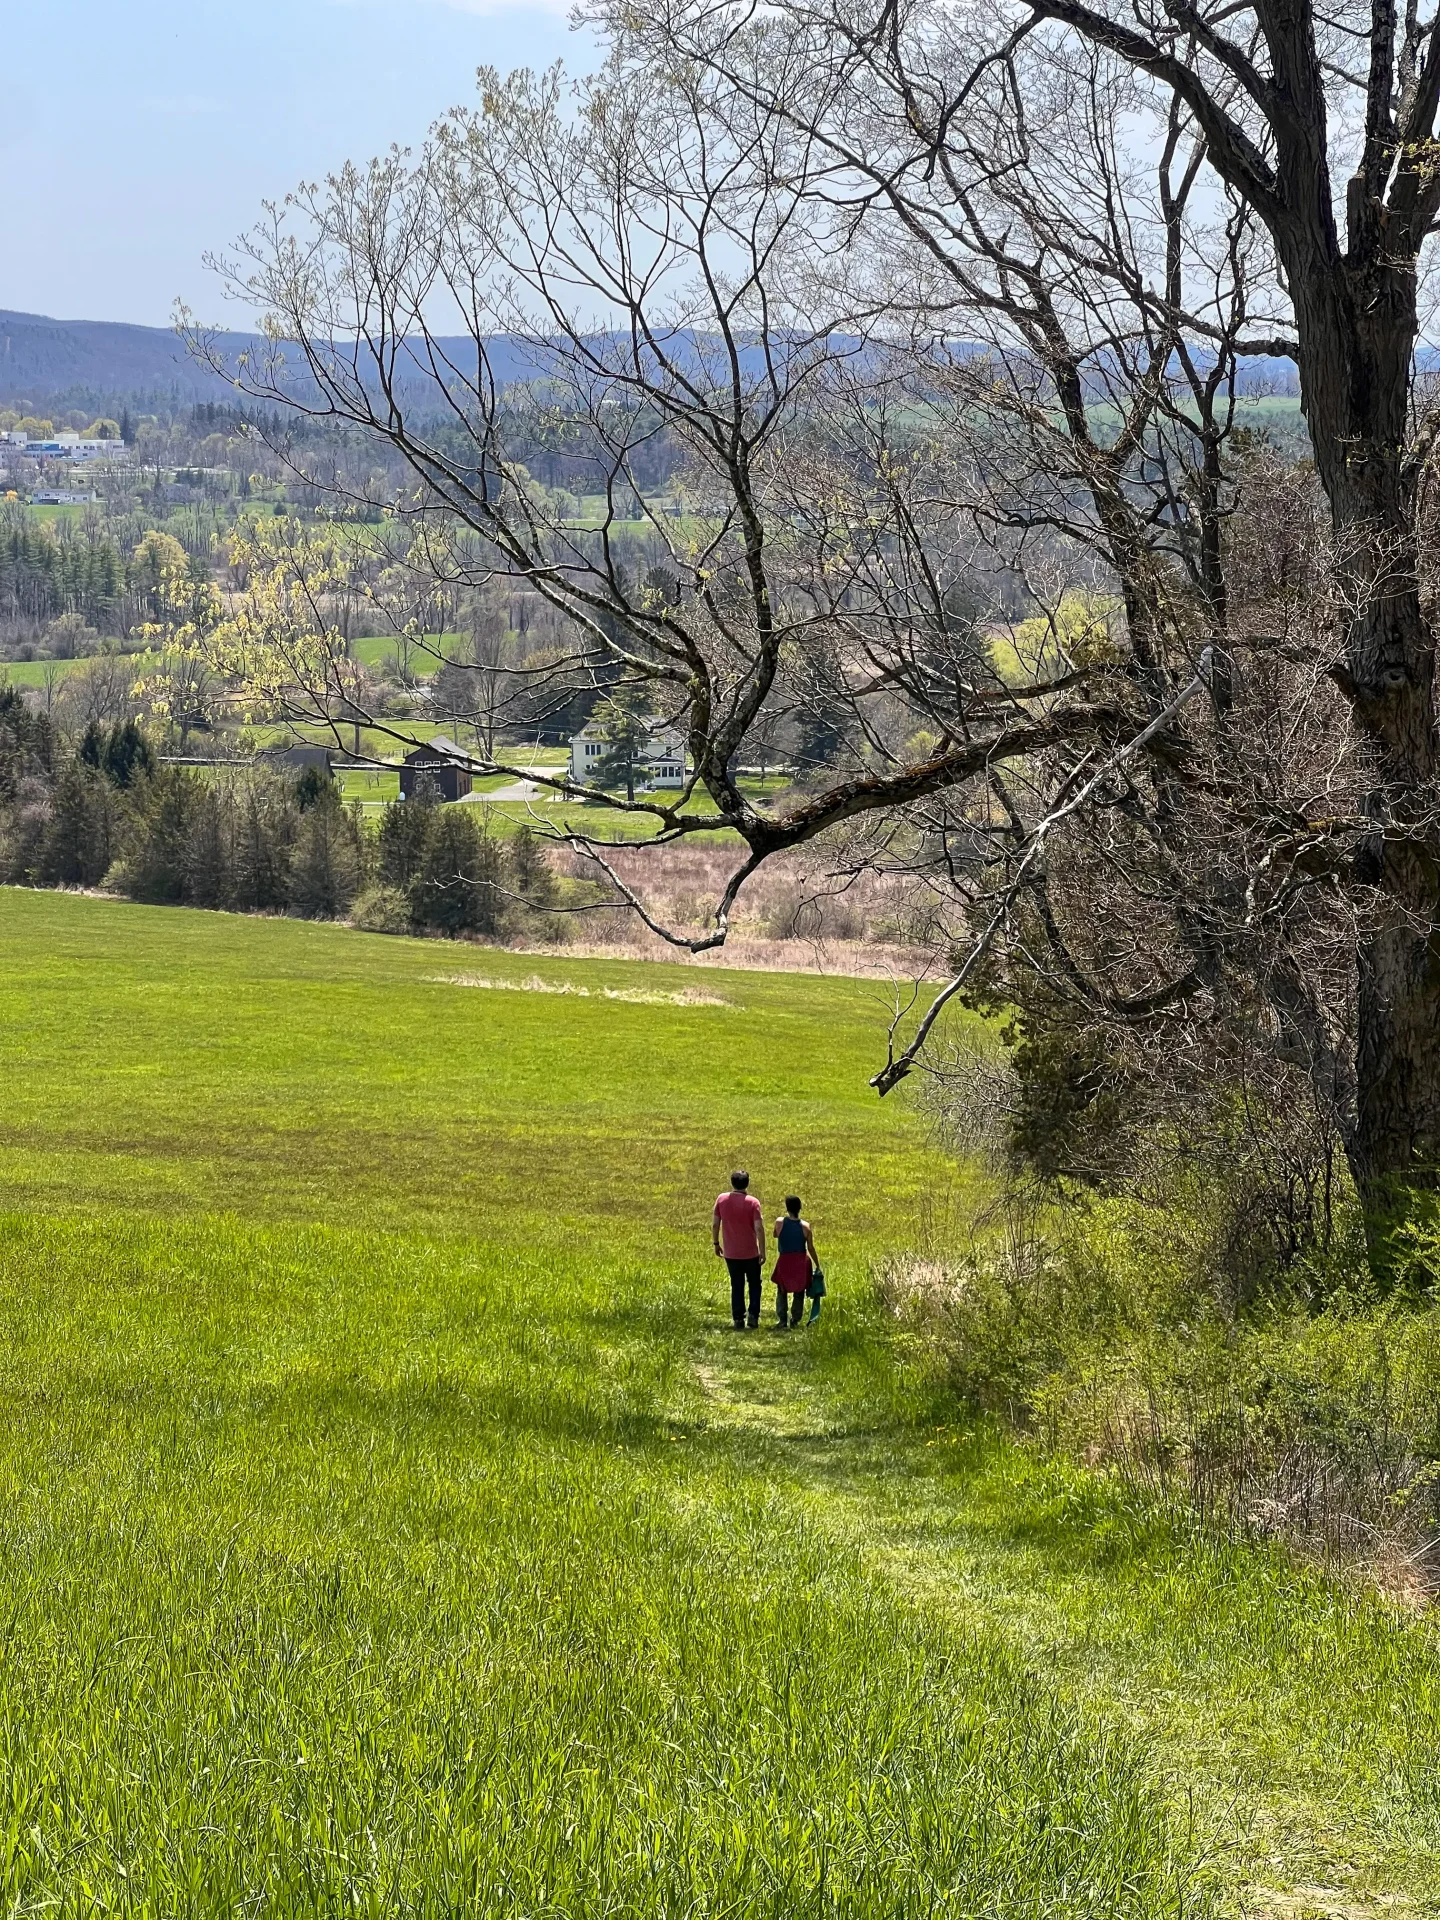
[380, 649]
[32, 673]
[68, 510]
[390, 1522]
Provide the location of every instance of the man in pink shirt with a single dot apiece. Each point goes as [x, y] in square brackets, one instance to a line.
[739, 1230]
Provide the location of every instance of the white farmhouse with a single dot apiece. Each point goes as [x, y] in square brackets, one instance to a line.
[661, 765]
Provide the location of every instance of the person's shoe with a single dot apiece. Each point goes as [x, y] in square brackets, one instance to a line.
[752, 1324]
[739, 1326]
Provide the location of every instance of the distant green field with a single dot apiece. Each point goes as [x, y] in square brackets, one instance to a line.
[390, 742]
[50, 514]
[32, 673]
[1277, 413]
[391, 1524]
[608, 823]
[603, 823]
[373, 650]
[373, 787]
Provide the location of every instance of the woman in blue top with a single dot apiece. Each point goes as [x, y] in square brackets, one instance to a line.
[796, 1247]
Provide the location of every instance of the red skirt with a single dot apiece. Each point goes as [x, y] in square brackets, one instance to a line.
[792, 1272]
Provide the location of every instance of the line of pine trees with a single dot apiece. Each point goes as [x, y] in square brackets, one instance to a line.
[107, 813]
[44, 574]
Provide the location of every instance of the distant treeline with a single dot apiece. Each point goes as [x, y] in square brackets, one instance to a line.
[108, 813]
[109, 575]
[43, 574]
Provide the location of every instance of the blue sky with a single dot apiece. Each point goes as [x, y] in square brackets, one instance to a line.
[135, 134]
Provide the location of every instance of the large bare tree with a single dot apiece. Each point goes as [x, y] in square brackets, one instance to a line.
[981, 134]
[848, 327]
[648, 264]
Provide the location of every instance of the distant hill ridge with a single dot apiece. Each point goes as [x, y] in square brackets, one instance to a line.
[42, 359]
[87, 361]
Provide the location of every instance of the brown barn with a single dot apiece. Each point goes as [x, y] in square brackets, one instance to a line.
[439, 761]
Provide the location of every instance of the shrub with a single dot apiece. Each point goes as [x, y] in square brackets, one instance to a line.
[1310, 1411]
[382, 910]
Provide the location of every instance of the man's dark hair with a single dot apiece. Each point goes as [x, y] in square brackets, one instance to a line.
[739, 1180]
[792, 1204]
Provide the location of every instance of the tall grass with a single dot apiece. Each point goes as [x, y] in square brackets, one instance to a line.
[337, 1581]
[372, 1539]
[1308, 1413]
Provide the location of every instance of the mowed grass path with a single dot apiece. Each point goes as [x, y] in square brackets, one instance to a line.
[390, 1523]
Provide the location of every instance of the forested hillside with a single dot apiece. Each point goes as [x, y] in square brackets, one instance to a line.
[41, 358]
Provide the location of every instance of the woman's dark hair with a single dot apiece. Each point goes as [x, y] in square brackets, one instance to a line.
[739, 1181]
[792, 1203]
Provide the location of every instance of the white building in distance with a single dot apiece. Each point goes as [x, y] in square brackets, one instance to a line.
[65, 446]
[661, 764]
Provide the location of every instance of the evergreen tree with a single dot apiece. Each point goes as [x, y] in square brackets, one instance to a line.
[404, 839]
[459, 887]
[326, 867]
[264, 830]
[625, 728]
[79, 842]
[310, 787]
[27, 750]
[530, 874]
[160, 872]
[27, 744]
[489, 879]
[208, 852]
[121, 753]
[822, 725]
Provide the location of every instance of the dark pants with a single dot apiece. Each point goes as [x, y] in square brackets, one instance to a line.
[796, 1303]
[744, 1274]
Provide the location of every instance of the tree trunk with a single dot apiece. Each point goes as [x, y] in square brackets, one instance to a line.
[1357, 340]
[1396, 1142]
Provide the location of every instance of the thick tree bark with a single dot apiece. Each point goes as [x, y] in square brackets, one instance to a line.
[1396, 1142]
[1357, 332]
